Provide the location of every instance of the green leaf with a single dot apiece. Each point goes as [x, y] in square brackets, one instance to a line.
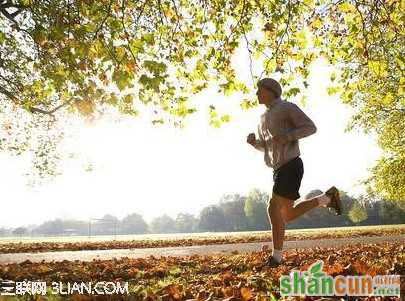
[248, 104]
[149, 38]
[136, 45]
[156, 121]
[346, 7]
[156, 68]
[122, 78]
[303, 100]
[128, 98]
[317, 23]
[331, 90]
[316, 267]
[318, 274]
[2, 37]
[225, 118]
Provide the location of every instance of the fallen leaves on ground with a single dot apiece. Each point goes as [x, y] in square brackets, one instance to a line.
[239, 277]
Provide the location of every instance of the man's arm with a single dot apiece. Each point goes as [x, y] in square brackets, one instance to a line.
[303, 125]
[259, 143]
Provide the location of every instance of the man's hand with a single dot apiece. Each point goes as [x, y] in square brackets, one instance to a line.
[251, 139]
[279, 139]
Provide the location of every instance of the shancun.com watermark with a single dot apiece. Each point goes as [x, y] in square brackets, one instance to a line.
[314, 282]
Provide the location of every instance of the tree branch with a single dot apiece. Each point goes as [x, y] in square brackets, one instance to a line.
[6, 4]
[38, 110]
[100, 26]
[126, 32]
[33, 109]
[11, 16]
[8, 94]
[281, 38]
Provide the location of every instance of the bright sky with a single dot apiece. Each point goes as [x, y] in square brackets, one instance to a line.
[154, 170]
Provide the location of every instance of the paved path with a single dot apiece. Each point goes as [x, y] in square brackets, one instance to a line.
[89, 255]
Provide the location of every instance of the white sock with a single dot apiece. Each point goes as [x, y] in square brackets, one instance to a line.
[276, 254]
[323, 200]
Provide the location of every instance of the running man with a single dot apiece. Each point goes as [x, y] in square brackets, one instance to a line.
[280, 128]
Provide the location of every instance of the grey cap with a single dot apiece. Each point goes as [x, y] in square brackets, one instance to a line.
[270, 84]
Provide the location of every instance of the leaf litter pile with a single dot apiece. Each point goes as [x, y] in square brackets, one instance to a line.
[226, 238]
[236, 277]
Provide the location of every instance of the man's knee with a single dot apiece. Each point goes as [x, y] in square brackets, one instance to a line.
[279, 205]
[273, 204]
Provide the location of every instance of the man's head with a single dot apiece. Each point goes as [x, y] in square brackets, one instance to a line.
[268, 90]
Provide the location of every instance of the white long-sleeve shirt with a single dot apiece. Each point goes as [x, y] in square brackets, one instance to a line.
[282, 118]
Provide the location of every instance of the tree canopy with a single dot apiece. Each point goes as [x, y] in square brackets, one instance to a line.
[60, 58]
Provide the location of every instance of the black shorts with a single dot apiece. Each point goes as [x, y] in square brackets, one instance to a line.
[287, 179]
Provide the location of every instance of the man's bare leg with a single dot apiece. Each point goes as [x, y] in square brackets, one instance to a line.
[294, 211]
[275, 212]
[282, 210]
